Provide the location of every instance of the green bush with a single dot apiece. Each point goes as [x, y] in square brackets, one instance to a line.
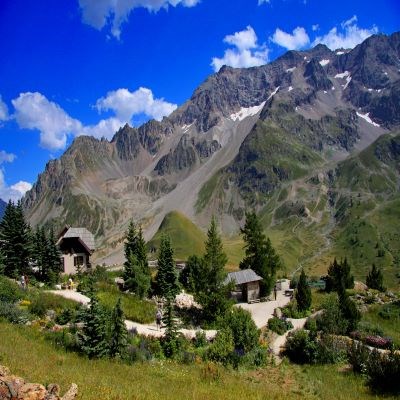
[279, 326]
[10, 292]
[357, 356]
[222, 348]
[383, 372]
[390, 311]
[301, 347]
[244, 331]
[291, 311]
[331, 320]
[200, 339]
[12, 313]
[329, 350]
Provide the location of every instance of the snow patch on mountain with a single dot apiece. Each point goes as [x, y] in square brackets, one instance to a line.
[324, 62]
[273, 93]
[367, 118]
[245, 112]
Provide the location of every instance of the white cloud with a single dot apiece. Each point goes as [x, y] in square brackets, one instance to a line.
[263, 2]
[35, 111]
[315, 27]
[125, 104]
[297, 40]
[6, 157]
[3, 110]
[99, 13]
[245, 53]
[13, 192]
[349, 35]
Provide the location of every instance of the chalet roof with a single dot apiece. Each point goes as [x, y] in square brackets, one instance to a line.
[83, 234]
[243, 276]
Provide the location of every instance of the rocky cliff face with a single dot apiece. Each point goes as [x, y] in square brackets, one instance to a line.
[242, 136]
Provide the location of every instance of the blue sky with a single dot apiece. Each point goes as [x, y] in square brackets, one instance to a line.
[73, 67]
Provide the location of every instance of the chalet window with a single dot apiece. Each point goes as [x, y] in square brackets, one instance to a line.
[78, 260]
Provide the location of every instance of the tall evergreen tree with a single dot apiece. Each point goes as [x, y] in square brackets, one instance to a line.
[260, 256]
[118, 332]
[192, 277]
[348, 309]
[167, 282]
[170, 340]
[213, 292]
[39, 247]
[375, 279]
[339, 274]
[52, 259]
[303, 293]
[93, 337]
[15, 240]
[136, 269]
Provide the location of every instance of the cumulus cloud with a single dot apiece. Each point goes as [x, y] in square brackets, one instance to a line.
[315, 27]
[348, 36]
[294, 41]
[125, 104]
[13, 192]
[246, 51]
[99, 13]
[3, 110]
[35, 111]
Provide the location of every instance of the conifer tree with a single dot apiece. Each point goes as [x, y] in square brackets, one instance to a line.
[170, 341]
[118, 332]
[167, 283]
[375, 279]
[348, 309]
[260, 256]
[136, 269]
[303, 293]
[53, 258]
[93, 337]
[213, 292]
[15, 240]
[339, 274]
[192, 277]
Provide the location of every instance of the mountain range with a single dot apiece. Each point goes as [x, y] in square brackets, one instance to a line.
[311, 141]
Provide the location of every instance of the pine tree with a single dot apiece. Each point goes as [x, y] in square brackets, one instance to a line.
[118, 332]
[136, 269]
[192, 277]
[303, 293]
[135, 278]
[213, 292]
[375, 279]
[260, 256]
[339, 274]
[167, 283]
[348, 309]
[15, 240]
[170, 341]
[39, 247]
[53, 258]
[93, 337]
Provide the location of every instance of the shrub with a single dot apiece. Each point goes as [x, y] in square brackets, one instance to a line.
[291, 311]
[311, 325]
[12, 313]
[301, 347]
[222, 347]
[244, 331]
[383, 372]
[379, 341]
[200, 339]
[390, 311]
[256, 358]
[369, 329]
[329, 350]
[10, 292]
[279, 326]
[357, 355]
[331, 320]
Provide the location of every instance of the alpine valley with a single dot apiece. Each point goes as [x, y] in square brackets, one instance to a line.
[311, 141]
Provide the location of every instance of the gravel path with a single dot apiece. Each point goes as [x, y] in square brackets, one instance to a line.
[263, 311]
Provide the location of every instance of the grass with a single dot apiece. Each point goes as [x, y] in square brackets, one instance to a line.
[135, 309]
[186, 238]
[27, 354]
[25, 351]
[390, 327]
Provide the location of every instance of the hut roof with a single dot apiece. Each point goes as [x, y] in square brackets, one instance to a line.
[243, 276]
